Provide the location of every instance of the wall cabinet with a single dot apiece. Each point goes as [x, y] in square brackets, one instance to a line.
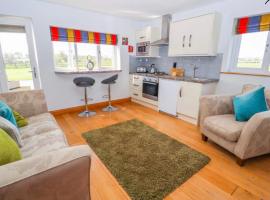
[195, 36]
[147, 34]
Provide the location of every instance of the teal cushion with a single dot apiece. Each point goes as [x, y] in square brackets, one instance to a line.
[248, 104]
[6, 112]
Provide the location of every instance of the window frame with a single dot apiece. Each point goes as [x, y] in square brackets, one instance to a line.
[99, 68]
[235, 50]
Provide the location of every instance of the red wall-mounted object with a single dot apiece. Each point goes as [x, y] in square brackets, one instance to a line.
[130, 49]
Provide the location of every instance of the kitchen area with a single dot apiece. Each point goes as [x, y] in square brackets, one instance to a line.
[174, 67]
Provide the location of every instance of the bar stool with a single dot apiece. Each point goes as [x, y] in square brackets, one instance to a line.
[85, 82]
[109, 81]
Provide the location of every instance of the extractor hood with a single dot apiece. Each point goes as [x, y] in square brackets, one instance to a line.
[165, 30]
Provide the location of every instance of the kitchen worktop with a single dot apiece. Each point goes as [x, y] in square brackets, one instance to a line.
[187, 79]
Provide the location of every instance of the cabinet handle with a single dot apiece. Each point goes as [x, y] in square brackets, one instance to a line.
[180, 93]
[135, 94]
[142, 37]
[136, 77]
[190, 38]
[183, 42]
[135, 85]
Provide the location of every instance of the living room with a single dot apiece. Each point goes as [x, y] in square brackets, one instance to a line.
[134, 100]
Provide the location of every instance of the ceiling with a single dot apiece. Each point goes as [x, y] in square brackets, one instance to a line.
[136, 9]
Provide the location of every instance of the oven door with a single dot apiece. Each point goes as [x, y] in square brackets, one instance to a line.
[150, 90]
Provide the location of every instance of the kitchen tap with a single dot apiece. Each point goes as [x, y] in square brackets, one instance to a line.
[194, 70]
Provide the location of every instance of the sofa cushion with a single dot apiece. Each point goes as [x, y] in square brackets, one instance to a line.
[43, 143]
[250, 103]
[6, 112]
[38, 125]
[249, 87]
[12, 130]
[41, 117]
[9, 150]
[224, 126]
[21, 121]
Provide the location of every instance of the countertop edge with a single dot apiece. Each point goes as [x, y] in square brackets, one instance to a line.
[87, 72]
[186, 79]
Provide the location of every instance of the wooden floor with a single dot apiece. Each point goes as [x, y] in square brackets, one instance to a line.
[221, 179]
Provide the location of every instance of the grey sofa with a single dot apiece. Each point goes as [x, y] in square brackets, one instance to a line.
[50, 168]
[243, 139]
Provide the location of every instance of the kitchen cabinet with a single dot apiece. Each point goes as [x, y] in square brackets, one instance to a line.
[188, 99]
[196, 36]
[136, 90]
[147, 34]
[135, 82]
[144, 37]
[175, 97]
[167, 96]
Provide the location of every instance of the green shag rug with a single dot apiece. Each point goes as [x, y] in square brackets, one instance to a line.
[147, 163]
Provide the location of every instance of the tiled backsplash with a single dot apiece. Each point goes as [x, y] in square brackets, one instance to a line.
[209, 67]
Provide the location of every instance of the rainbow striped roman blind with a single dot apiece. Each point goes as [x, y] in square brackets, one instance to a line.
[73, 35]
[253, 24]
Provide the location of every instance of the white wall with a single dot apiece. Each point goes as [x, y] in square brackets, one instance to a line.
[229, 10]
[59, 89]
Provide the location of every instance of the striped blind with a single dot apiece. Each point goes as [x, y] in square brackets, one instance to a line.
[73, 35]
[253, 24]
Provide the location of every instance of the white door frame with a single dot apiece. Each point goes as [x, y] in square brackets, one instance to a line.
[27, 23]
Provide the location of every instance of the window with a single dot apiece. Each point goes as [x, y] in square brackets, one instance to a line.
[252, 52]
[77, 50]
[70, 56]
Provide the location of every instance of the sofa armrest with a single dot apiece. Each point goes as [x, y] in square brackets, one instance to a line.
[30, 166]
[27, 103]
[211, 105]
[255, 137]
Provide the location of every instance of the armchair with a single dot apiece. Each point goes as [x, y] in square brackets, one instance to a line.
[243, 139]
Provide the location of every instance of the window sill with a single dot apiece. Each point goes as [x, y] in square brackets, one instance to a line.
[57, 71]
[246, 74]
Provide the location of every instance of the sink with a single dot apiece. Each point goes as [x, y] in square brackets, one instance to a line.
[196, 79]
[199, 79]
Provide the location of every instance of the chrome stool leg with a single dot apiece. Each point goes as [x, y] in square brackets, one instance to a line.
[86, 112]
[109, 108]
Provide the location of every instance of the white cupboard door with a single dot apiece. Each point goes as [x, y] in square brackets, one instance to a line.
[188, 99]
[167, 96]
[178, 38]
[201, 40]
[194, 36]
[142, 35]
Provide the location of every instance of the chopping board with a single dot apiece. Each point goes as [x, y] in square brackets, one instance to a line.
[177, 72]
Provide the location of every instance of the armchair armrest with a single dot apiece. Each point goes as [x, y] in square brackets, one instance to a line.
[64, 173]
[255, 137]
[27, 103]
[211, 105]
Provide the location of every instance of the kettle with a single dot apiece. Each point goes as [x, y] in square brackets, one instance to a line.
[152, 69]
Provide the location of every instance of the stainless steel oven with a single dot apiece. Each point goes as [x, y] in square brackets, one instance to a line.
[142, 49]
[150, 88]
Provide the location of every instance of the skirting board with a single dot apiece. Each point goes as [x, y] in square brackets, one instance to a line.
[145, 104]
[90, 106]
[187, 119]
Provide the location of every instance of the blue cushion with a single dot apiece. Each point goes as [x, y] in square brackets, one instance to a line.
[248, 104]
[6, 112]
